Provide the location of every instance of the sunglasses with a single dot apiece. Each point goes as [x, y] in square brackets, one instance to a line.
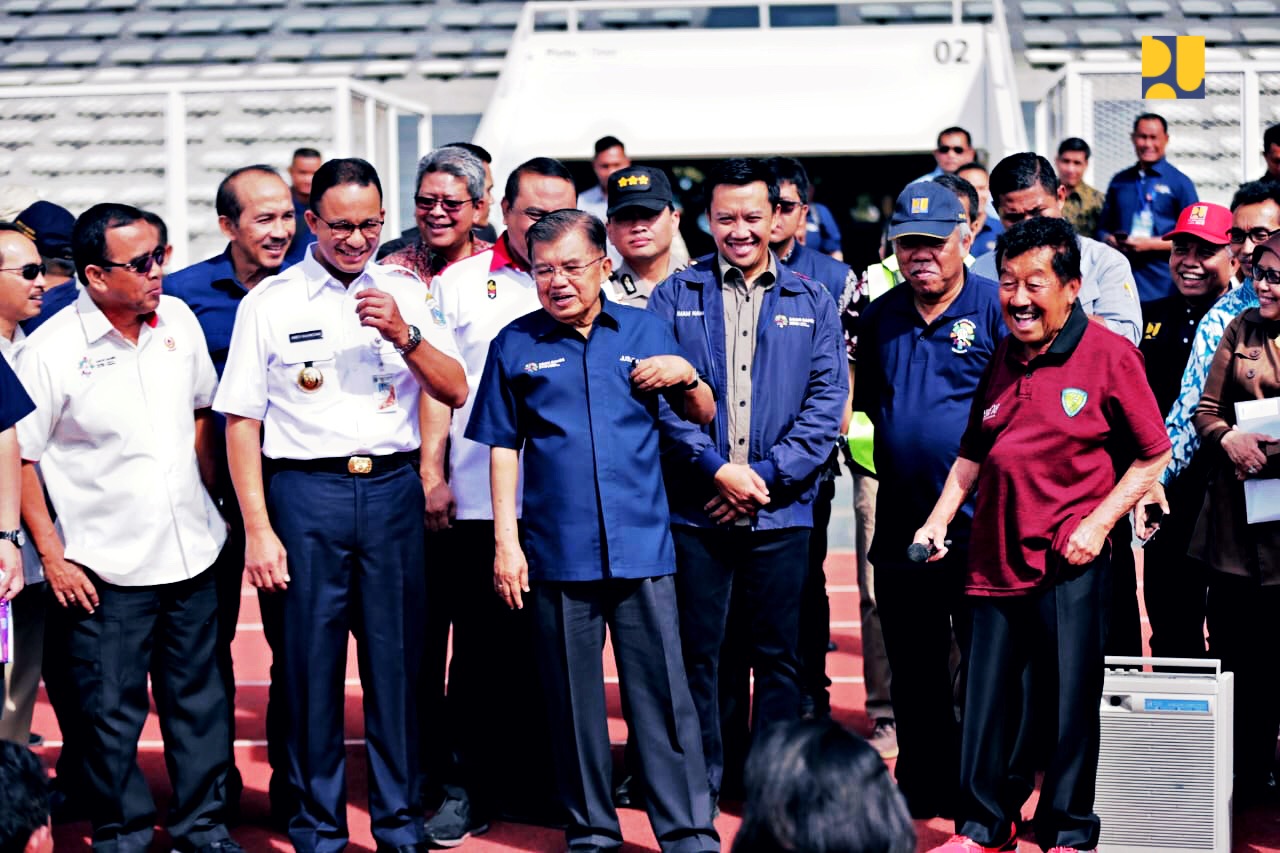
[426, 203]
[29, 271]
[954, 149]
[1270, 276]
[789, 207]
[141, 264]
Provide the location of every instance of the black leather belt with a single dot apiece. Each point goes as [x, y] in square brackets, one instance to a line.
[355, 465]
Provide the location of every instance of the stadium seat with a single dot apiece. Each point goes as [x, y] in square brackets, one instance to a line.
[340, 49]
[22, 7]
[116, 5]
[461, 19]
[1044, 37]
[385, 69]
[392, 48]
[351, 22]
[236, 51]
[201, 26]
[182, 53]
[931, 11]
[251, 24]
[47, 30]
[1101, 36]
[308, 23]
[673, 17]
[504, 17]
[9, 32]
[1212, 35]
[452, 46]
[150, 27]
[1098, 9]
[32, 57]
[485, 67]
[1252, 8]
[100, 28]
[441, 68]
[620, 18]
[1149, 8]
[982, 10]
[493, 45]
[414, 19]
[881, 13]
[1261, 35]
[1044, 9]
[79, 56]
[71, 6]
[1203, 8]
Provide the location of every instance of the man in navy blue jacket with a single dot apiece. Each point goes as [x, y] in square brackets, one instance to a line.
[742, 487]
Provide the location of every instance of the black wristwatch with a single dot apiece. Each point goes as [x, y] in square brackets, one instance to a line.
[14, 536]
[694, 384]
[415, 338]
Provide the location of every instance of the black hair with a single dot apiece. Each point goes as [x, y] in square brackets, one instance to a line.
[25, 788]
[479, 151]
[547, 167]
[604, 143]
[963, 190]
[791, 171]
[1022, 171]
[558, 223]
[226, 202]
[1039, 232]
[89, 234]
[1256, 192]
[814, 787]
[739, 172]
[1074, 143]
[344, 170]
[968, 140]
[1151, 117]
[972, 166]
[305, 153]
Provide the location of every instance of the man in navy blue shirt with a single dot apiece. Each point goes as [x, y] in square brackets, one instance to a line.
[302, 168]
[742, 487]
[1142, 204]
[576, 388]
[256, 214]
[922, 350]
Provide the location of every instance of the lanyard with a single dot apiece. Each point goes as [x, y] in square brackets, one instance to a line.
[1144, 197]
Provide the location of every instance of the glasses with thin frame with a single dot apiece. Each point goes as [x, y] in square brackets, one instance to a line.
[544, 273]
[142, 264]
[1257, 235]
[30, 272]
[426, 203]
[342, 229]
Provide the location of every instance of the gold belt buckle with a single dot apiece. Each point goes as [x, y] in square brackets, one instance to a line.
[359, 465]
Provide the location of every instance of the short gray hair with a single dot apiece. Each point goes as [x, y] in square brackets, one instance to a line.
[459, 162]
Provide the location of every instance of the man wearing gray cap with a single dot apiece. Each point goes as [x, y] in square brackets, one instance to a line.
[642, 221]
[922, 351]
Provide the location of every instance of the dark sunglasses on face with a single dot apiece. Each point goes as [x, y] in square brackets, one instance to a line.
[788, 207]
[29, 271]
[1270, 276]
[954, 149]
[141, 264]
[427, 203]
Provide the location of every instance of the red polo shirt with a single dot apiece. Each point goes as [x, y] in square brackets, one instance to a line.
[1050, 436]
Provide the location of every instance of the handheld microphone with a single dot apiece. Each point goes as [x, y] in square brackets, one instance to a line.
[919, 553]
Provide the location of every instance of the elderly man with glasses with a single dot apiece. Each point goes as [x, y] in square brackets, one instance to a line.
[122, 383]
[328, 367]
[451, 185]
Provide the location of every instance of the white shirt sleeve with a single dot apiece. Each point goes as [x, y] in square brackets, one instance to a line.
[243, 390]
[35, 430]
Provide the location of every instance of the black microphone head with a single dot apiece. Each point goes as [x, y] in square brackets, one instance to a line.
[917, 553]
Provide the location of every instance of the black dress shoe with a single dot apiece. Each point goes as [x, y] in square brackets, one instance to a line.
[629, 793]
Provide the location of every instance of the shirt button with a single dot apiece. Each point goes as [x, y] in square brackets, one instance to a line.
[1028, 374]
[742, 402]
[742, 441]
[744, 367]
[744, 334]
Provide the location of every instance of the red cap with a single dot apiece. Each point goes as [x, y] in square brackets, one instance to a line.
[1207, 221]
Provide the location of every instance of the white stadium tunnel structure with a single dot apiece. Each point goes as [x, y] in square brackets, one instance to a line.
[846, 89]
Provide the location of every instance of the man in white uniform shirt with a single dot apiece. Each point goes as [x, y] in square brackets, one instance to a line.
[493, 663]
[328, 363]
[122, 383]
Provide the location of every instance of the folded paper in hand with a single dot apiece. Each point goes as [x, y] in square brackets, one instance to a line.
[1261, 496]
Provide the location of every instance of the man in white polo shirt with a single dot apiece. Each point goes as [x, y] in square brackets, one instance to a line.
[122, 383]
[493, 663]
[327, 366]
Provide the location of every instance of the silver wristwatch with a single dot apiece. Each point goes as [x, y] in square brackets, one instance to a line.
[14, 536]
[415, 338]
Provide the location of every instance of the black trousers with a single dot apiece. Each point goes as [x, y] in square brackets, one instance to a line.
[643, 626]
[493, 669]
[168, 632]
[1124, 620]
[815, 607]
[1065, 620]
[1174, 584]
[1244, 633]
[228, 578]
[921, 606]
[762, 572]
[355, 554]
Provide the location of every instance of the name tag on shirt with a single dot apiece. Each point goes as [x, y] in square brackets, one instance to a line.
[299, 337]
[384, 393]
[1144, 224]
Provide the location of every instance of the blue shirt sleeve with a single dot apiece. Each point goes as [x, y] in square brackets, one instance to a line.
[495, 419]
[15, 403]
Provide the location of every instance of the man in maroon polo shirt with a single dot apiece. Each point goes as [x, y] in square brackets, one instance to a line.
[1064, 406]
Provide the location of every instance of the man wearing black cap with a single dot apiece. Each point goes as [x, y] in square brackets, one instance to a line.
[50, 227]
[642, 220]
[922, 350]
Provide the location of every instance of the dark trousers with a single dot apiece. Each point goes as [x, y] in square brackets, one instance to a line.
[170, 632]
[493, 669]
[815, 634]
[228, 578]
[643, 626]
[1124, 621]
[762, 572]
[60, 687]
[1244, 633]
[283, 799]
[1066, 621]
[921, 607]
[1174, 584]
[355, 554]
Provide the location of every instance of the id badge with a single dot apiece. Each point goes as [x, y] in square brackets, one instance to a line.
[384, 393]
[1144, 224]
[6, 631]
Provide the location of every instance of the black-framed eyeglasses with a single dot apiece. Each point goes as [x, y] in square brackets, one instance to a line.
[1270, 276]
[30, 272]
[544, 273]
[343, 229]
[953, 149]
[1257, 235]
[141, 264]
[789, 207]
[427, 203]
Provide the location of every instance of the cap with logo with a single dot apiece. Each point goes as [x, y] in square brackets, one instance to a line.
[638, 186]
[1206, 221]
[926, 209]
[50, 226]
